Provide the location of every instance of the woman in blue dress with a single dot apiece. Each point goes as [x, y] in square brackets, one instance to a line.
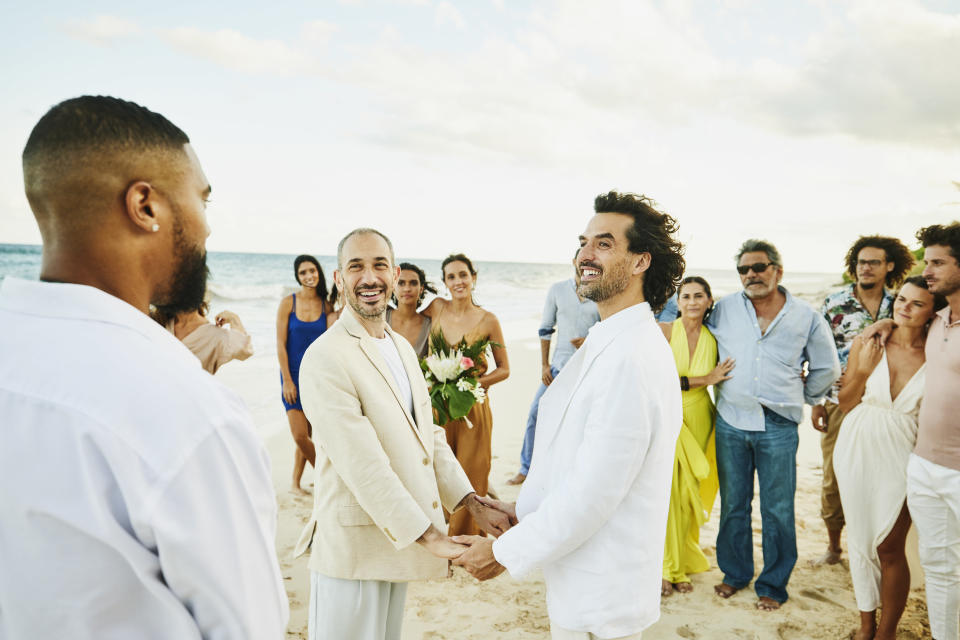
[301, 319]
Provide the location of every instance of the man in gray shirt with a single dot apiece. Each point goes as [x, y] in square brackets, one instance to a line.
[571, 317]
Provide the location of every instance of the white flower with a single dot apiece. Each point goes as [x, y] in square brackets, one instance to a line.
[444, 368]
[465, 384]
[479, 394]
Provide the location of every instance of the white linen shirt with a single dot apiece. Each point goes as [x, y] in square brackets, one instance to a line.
[593, 509]
[135, 497]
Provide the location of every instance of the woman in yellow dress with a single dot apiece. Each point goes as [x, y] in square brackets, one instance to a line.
[695, 484]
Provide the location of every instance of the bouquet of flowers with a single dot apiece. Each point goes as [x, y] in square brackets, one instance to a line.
[452, 373]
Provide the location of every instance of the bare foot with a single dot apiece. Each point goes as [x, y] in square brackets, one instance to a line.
[830, 557]
[666, 588]
[683, 587]
[862, 634]
[517, 479]
[767, 604]
[299, 491]
[724, 590]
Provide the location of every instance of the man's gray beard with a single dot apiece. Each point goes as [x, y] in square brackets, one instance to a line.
[753, 295]
[354, 301]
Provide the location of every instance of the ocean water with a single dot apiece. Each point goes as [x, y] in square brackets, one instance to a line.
[252, 284]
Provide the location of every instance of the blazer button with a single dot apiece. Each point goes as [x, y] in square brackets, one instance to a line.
[426, 461]
[436, 504]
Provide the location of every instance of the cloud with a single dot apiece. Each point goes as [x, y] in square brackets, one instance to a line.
[875, 72]
[446, 14]
[318, 32]
[234, 50]
[101, 30]
[881, 74]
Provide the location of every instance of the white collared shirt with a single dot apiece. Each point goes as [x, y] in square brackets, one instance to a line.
[593, 509]
[135, 497]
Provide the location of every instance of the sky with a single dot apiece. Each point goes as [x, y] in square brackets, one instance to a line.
[489, 126]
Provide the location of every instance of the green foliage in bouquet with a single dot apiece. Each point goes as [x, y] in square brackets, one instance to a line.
[452, 373]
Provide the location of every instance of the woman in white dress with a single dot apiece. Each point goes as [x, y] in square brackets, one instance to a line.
[880, 394]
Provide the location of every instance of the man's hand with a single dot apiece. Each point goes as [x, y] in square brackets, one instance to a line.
[882, 328]
[818, 416]
[546, 375]
[507, 508]
[576, 342]
[490, 519]
[478, 560]
[441, 545]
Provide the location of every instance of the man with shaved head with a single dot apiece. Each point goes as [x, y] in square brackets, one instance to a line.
[135, 496]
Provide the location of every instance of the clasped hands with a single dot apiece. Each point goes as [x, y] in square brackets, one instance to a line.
[475, 553]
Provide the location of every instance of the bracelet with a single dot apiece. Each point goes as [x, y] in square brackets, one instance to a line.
[684, 383]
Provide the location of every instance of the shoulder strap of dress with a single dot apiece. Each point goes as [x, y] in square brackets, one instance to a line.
[293, 309]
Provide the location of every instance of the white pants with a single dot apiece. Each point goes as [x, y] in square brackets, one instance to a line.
[355, 609]
[933, 497]
[556, 633]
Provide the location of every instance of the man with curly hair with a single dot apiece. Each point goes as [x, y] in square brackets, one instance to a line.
[933, 473]
[606, 436]
[773, 336]
[875, 265]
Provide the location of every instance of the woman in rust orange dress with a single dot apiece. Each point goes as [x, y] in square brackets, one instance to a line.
[460, 317]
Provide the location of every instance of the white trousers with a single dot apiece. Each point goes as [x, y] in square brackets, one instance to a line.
[556, 633]
[355, 609]
[933, 497]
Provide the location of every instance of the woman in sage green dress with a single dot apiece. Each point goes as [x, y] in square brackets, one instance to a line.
[694, 485]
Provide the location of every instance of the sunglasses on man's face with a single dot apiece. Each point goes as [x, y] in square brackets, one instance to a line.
[757, 267]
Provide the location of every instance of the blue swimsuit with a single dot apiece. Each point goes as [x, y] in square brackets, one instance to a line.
[300, 335]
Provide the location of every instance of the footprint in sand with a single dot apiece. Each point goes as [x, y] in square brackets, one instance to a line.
[686, 632]
[788, 631]
[816, 595]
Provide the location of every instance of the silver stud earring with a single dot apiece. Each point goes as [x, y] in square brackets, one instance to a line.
[155, 227]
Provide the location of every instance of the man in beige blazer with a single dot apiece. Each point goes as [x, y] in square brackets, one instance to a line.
[384, 471]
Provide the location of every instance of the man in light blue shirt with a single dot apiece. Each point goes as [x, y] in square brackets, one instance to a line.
[571, 317]
[772, 336]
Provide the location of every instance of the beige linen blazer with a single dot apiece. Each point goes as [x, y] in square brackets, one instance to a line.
[382, 476]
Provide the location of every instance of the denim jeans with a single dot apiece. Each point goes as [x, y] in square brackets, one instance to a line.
[773, 454]
[526, 453]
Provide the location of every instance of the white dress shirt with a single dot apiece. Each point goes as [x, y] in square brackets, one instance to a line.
[135, 497]
[593, 509]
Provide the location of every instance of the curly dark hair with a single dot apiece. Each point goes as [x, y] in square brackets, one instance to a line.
[652, 232]
[896, 251]
[421, 274]
[947, 235]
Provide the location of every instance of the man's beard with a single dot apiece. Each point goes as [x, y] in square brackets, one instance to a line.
[866, 286]
[753, 294]
[188, 286]
[945, 287]
[608, 285]
[365, 312]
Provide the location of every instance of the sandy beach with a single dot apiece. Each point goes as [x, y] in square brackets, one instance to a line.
[821, 604]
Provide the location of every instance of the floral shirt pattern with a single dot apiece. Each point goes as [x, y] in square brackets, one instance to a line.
[848, 318]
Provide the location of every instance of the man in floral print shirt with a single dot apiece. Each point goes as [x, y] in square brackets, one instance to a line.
[872, 262]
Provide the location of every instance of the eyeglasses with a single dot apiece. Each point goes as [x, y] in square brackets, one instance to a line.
[758, 267]
[870, 263]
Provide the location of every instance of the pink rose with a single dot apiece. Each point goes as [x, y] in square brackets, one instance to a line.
[466, 363]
